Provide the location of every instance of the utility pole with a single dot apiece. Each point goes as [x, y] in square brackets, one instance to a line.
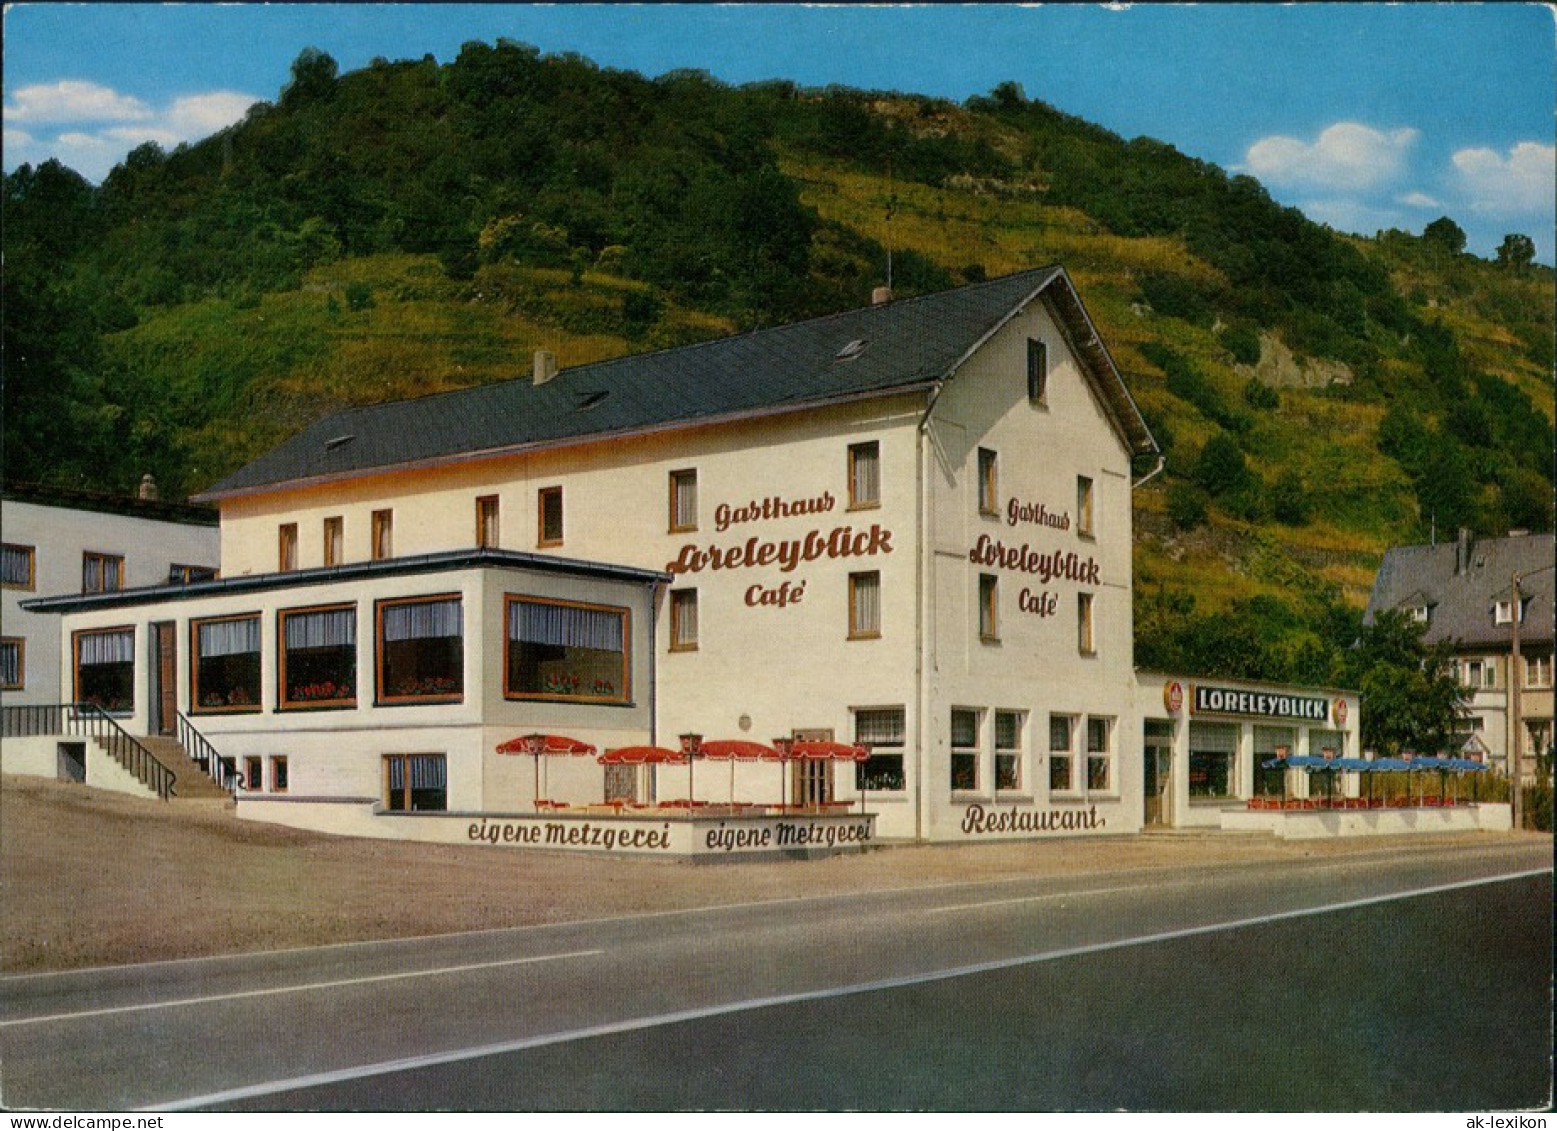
[1515, 678]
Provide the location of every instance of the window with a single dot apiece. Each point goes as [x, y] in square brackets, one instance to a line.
[278, 774]
[1084, 638]
[1503, 610]
[486, 522]
[1479, 673]
[683, 501]
[1538, 671]
[563, 650]
[989, 603]
[18, 567]
[101, 573]
[421, 650]
[224, 669]
[988, 483]
[882, 729]
[864, 475]
[415, 783]
[13, 663]
[1100, 757]
[383, 535]
[185, 574]
[549, 516]
[1008, 749]
[253, 773]
[318, 657]
[964, 748]
[683, 620]
[864, 606]
[334, 541]
[1037, 371]
[105, 669]
[1084, 506]
[1062, 738]
[286, 551]
[1213, 760]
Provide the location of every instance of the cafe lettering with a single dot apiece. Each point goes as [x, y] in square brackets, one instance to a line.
[1209, 700]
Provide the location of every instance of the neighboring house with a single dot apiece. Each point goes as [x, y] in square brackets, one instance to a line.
[1463, 592]
[58, 541]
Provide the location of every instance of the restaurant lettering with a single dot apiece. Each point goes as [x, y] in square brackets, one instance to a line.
[1056, 565]
[788, 554]
[726, 516]
[976, 820]
[1036, 514]
[1262, 704]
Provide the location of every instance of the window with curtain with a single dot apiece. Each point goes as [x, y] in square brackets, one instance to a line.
[548, 505]
[1086, 644]
[683, 501]
[286, 547]
[486, 522]
[225, 665]
[1008, 749]
[1100, 755]
[1037, 371]
[334, 540]
[964, 748]
[101, 573]
[318, 657]
[1062, 738]
[864, 605]
[1084, 506]
[383, 535]
[18, 565]
[13, 663]
[989, 485]
[105, 669]
[883, 730]
[415, 783]
[989, 606]
[421, 650]
[563, 650]
[683, 620]
[864, 475]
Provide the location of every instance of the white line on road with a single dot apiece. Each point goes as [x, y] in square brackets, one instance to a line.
[304, 987]
[629, 1025]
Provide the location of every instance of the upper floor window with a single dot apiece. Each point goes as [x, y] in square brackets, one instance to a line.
[18, 566]
[989, 487]
[286, 547]
[486, 522]
[989, 607]
[1084, 506]
[421, 649]
[864, 475]
[1086, 642]
[864, 605]
[549, 516]
[1037, 371]
[101, 573]
[224, 668]
[683, 501]
[334, 541]
[383, 534]
[1479, 673]
[683, 620]
[1538, 671]
[185, 574]
[1503, 610]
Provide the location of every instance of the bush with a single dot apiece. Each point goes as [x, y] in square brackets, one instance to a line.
[1536, 807]
[1187, 505]
[1243, 342]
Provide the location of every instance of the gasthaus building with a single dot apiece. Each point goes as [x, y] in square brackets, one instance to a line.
[873, 570]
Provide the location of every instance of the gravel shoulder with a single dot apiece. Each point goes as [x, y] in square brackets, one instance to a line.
[89, 878]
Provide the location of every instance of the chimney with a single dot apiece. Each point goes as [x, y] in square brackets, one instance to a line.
[881, 296]
[1462, 552]
[545, 366]
[148, 490]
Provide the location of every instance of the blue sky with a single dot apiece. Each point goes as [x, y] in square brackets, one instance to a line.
[1365, 116]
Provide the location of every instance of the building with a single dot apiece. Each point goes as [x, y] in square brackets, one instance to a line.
[1463, 592]
[64, 541]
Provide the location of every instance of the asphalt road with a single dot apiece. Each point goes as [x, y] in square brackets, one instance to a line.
[1399, 982]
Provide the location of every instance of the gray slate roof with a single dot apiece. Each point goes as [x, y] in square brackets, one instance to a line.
[908, 344]
[1461, 599]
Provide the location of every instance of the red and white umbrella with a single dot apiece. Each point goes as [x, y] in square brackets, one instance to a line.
[737, 750]
[536, 745]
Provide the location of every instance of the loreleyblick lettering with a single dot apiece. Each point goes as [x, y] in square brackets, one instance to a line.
[840, 542]
[1062, 565]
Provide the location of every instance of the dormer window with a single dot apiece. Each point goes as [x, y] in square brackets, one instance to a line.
[1503, 611]
[851, 351]
[1420, 614]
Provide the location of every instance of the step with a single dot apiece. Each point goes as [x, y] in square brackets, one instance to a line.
[190, 781]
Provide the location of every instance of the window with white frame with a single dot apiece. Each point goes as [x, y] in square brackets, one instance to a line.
[1062, 753]
[1479, 674]
[1100, 754]
[1008, 749]
[1538, 670]
[964, 748]
[882, 729]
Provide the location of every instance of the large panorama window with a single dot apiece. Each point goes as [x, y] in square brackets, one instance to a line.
[561, 650]
[105, 669]
[226, 668]
[421, 650]
[318, 657]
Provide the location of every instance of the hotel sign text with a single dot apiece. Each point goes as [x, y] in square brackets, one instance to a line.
[1259, 704]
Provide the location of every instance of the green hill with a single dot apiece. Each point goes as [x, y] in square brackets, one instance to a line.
[418, 226]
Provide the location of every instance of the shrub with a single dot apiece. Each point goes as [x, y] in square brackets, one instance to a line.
[1243, 342]
[1187, 505]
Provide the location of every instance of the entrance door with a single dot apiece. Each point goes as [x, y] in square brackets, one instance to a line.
[164, 679]
[1158, 752]
[811, 783]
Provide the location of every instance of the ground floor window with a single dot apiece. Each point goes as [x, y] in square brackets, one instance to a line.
[13, 663]
[1062, 752]
[421, 650]
[1008, 749]
[564, 650]
[415, 783]
[1100, 755]
[278, 774]
[318, 657]
[1327, 743]
[1270, 743]
[225, 668]
[882, 730]
[964, 748]
[105, 669]
[1213, 759]
[253, 773]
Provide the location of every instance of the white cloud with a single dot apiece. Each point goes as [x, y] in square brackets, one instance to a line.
[1346, 157]
[1418, 200]
[1520, 184]
[201, 115]
[68, 101]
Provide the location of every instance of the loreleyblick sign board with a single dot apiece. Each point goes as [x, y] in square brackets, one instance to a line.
[1210, 700]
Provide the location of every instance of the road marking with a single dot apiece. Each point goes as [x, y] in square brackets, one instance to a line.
[1077, 894]
[629, 1025]
[272, 991]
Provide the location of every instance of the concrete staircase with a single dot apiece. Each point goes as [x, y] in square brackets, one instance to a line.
[190, 781]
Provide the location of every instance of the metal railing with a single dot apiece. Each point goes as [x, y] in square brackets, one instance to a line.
[203, 754]
[88, 720]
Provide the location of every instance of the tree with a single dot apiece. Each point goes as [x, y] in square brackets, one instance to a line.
[1221, 468]
[313, 78]
[1516, 251]
[1412, 698]
[1446, 234]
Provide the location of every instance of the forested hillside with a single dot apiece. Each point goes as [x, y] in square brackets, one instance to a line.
[418, 226]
